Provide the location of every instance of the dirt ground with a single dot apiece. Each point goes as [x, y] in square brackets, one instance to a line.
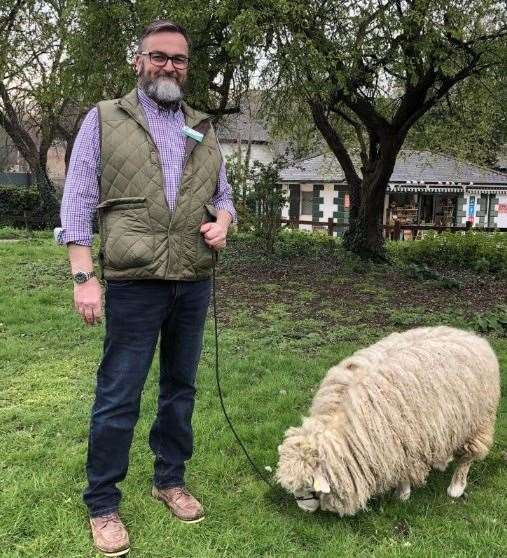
[309, 287]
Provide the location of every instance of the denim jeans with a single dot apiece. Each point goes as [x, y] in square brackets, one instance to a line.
[136, 313]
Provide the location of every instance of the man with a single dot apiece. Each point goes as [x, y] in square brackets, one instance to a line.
[152, 168]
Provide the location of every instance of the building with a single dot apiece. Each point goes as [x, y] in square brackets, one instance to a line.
[245, 132]
[425, 188]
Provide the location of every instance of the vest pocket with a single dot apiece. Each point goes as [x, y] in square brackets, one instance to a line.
[126, 234]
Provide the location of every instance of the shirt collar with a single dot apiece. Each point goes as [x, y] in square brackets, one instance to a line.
[151, 106]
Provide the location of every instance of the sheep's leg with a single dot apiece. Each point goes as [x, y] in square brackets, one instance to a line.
[477, 448]
[403, 491]
[459, 479]
[442, 465]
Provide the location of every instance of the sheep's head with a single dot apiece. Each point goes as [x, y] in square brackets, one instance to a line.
[300, 470]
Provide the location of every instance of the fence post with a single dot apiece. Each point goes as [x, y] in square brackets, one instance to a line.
[330, 226]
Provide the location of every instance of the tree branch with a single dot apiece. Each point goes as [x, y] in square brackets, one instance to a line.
[335, 143]
[446, 85]
[7, 23]
[357, 129]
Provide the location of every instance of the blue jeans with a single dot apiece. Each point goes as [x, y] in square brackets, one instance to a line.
[136, 313]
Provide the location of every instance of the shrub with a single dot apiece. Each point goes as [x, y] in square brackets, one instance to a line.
[480, 251]
[16, 205]
[292, 243]
[494, 321]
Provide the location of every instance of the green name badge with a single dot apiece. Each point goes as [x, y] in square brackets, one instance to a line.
[194, 134]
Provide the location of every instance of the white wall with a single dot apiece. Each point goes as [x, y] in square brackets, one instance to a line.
[259, 152]
[328, 207]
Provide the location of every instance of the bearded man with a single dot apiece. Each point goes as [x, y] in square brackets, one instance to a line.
[152, 168]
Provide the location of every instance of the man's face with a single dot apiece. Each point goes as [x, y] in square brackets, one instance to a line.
[165, 85]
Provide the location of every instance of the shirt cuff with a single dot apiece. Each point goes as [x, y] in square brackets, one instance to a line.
[229, 207]
[63, 238]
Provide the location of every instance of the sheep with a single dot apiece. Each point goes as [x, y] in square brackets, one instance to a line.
[382, 418]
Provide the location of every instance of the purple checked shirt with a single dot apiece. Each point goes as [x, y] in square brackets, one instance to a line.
[81, 192]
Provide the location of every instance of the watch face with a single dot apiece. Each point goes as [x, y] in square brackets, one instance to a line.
[80, 277]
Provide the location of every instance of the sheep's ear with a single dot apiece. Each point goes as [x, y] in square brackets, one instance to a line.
[320, 484]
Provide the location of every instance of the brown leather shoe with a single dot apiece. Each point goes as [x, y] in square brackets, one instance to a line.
[109, 535]
[181, 503]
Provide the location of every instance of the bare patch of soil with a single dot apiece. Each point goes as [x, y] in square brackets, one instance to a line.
[331, 291]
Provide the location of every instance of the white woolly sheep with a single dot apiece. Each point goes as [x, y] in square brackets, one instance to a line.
[385, 416]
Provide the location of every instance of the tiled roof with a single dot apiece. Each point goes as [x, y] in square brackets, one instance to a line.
[410, 166]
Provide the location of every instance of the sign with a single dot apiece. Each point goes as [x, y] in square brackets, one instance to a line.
[501, 218]
[471, 209]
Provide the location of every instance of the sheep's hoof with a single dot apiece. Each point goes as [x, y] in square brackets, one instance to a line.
[403, 491]
[456, 490]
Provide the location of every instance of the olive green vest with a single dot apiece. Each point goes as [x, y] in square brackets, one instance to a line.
[141, 238]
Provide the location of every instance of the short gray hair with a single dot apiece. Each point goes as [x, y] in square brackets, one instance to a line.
[161, 26]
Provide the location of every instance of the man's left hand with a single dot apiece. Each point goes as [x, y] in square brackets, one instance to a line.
[214, 235]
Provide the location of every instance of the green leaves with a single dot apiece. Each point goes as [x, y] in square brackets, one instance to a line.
[494, 321]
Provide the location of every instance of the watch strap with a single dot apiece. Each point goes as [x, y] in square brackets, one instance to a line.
[83, 276]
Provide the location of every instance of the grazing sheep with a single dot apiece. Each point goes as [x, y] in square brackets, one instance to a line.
[385, 416]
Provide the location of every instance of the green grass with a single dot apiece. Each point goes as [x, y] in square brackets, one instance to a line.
[276, 344]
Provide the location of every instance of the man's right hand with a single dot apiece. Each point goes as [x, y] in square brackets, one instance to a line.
[88, 301]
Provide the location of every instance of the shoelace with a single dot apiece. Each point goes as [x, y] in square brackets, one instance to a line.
[179, 492]
[110, 519]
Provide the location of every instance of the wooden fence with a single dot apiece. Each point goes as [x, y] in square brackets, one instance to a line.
[394, 232]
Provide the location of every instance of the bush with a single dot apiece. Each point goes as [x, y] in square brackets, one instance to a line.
[13, 232]
[480, 251]
[494, 321]
[292, 243]
[17, 204]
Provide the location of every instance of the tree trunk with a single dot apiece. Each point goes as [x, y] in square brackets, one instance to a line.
[68, 151]
[49, 206]
[365, 234]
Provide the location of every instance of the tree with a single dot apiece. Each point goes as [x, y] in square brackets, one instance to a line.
[238, 175]
[374, 68]
[33, 91]
[267, 200]
[55, 64]
[470, 124]
[221, 57]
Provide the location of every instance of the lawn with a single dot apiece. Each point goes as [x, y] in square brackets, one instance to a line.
[283, 323]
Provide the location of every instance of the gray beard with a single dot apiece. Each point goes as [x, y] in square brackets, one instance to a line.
[164, 91]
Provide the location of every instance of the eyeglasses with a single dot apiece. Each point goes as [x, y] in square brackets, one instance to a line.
[160, 59]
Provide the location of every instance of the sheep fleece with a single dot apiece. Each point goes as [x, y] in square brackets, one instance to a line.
[393, 410]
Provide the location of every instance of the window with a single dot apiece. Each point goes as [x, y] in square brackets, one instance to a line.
[306, 203]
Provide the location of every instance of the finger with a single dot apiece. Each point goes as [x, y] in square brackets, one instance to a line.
[213, 241]
[88, 315]
[218, 243]
[82, 312]
[206, 227]
[97, 312]
[213, 236]
[214, 232]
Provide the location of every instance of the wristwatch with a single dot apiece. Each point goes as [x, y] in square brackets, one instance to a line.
[82, 276]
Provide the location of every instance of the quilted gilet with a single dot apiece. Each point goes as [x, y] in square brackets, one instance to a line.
[141, 238]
